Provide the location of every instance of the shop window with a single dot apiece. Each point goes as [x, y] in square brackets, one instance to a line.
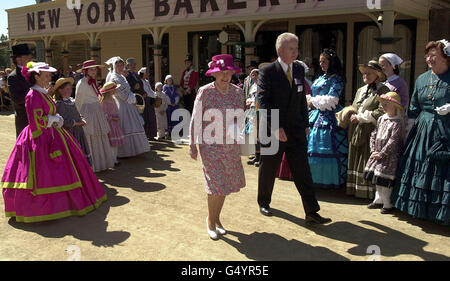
[148, 56]
[313, 39]
[203, 46]
[367, 48]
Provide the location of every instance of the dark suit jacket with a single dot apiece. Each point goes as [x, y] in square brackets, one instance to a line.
[133, 79]
[18, 89]
[275, 92]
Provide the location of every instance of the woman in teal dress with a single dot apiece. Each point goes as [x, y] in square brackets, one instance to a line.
[423, 189]
[327, 142]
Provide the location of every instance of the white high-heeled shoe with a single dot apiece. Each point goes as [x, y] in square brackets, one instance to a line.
[212, 233]
[221, 231]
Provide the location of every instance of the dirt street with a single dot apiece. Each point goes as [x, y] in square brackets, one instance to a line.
[156, 210]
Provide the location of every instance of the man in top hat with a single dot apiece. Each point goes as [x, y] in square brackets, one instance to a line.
[18, 86]
[133, 77]
[188, 83]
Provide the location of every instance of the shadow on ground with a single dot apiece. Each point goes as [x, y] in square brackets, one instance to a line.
[390, 241]
[132, 171]
[269, 246]
[91, 227]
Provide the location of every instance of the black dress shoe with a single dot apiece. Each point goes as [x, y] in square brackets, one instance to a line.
[257, 164]
[265, 211]
[315, 218]
[251, 162]
[374, 206]
[387, 211]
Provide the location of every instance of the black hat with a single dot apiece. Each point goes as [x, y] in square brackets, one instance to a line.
[188, 58]
[253, 63]
[20, 50]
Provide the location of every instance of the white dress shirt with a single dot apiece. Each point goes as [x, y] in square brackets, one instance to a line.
[285, 66]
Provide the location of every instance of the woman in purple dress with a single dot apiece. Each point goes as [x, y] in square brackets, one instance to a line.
[174, 98]
[390, 64]
[221, 160]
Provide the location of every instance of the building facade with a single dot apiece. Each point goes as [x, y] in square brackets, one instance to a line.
[160, 33]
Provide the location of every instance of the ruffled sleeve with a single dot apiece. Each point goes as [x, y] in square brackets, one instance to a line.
[329, 100]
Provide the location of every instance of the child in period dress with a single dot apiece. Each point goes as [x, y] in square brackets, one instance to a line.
[65, 106]
[111, 111]
[173, 99]
[385, 145]
[161, 115]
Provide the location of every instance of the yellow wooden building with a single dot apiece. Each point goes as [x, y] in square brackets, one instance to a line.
[160, 33]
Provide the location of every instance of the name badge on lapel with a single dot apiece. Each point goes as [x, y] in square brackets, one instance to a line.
[299, 84]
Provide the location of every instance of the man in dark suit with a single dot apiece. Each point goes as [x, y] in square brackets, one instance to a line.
[281, 87]
[18, 87]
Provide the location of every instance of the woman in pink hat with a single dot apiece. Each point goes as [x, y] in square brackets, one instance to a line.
[47, 176]
[96, 129]
[222, 166]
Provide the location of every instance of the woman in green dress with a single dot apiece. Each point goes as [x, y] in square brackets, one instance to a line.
[423, 188]
[366, 111]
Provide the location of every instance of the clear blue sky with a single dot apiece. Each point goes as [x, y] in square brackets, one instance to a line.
[8, 4]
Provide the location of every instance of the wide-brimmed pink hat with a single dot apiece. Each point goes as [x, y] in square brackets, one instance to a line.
[222, 63]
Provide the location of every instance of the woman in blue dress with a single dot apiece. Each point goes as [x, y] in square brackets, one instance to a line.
[423, 186]
[327, 143]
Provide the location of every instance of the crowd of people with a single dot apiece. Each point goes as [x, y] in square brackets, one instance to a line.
[382, 147]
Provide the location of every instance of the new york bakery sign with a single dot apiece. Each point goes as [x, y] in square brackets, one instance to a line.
[65, 16]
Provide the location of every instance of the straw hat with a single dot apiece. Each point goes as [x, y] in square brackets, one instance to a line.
[109, 86]
[373, 64]
[393, 98]
[62, 81]
[89, 64]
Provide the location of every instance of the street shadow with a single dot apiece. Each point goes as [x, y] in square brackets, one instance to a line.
[6, 112]
[273, 247]
[132, 171]
[338, 196]
[426, 225]
[164, 145]
[390, 241]
[90, 227]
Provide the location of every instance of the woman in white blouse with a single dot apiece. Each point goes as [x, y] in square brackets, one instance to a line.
[135, 139]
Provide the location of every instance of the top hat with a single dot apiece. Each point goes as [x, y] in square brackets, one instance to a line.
[392, 97]
[373, 64]
[20, 50]
[188, 58]
[221, 63]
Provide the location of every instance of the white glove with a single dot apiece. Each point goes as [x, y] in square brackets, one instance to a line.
[52, 119]
[60, 121]
[443, 110]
